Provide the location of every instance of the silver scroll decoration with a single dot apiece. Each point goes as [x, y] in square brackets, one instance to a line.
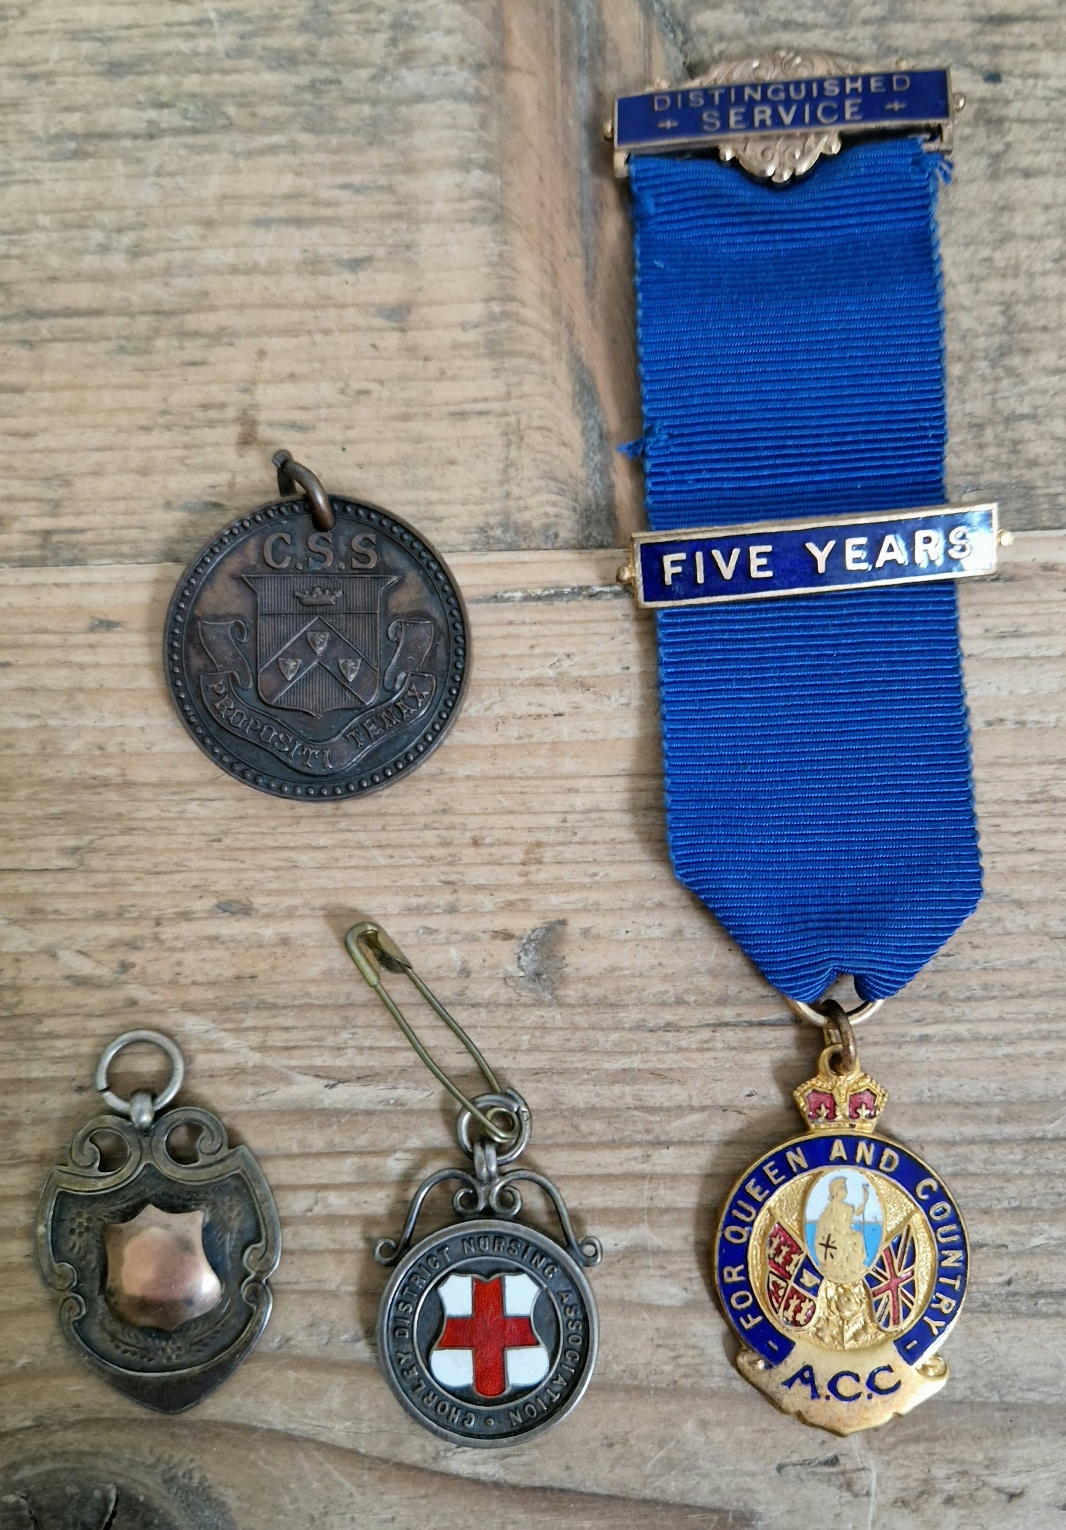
[777, 157]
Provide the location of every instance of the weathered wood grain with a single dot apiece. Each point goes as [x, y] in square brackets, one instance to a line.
[386, 236]
[524, 867]
[389, 238]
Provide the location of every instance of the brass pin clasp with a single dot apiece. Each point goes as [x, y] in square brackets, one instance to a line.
[368, 945]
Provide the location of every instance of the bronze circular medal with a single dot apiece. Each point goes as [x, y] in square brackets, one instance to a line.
[317, 663]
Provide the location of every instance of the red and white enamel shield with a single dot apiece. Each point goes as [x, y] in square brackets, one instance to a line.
[488, 1341]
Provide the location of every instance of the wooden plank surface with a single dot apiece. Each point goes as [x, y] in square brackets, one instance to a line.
[524, 867]
[387, 236]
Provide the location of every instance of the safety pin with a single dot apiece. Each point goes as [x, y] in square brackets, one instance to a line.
[367, 944]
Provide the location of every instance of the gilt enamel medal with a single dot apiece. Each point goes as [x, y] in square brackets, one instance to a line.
[803, 565]
[841, 1262]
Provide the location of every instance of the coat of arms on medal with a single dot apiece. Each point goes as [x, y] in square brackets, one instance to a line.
[317, 648]
[841, 1262]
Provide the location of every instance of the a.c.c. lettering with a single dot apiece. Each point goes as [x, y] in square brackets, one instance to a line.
[846, 1386]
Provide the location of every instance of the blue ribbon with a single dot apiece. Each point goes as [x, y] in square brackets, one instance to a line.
[816, 752]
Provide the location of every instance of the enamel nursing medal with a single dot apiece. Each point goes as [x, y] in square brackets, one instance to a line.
[487, 1330]
[841, 1259]
[802, 564]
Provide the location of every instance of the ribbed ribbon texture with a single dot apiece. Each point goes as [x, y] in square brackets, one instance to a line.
[816, 750]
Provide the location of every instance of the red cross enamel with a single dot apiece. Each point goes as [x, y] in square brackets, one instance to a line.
[489, 1333]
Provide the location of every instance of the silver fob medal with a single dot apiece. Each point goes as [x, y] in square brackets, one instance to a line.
[161, 1265]
[487, 1329]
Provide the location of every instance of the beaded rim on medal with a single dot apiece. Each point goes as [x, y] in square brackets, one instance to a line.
[303, 493]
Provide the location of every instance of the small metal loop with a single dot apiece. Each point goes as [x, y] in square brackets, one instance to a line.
[814, 1014]
[367, 944]
[486, 1163]
[293, 476]
[511, 1142]
[839, 1039]
[156, 1101]
[142, 1109]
